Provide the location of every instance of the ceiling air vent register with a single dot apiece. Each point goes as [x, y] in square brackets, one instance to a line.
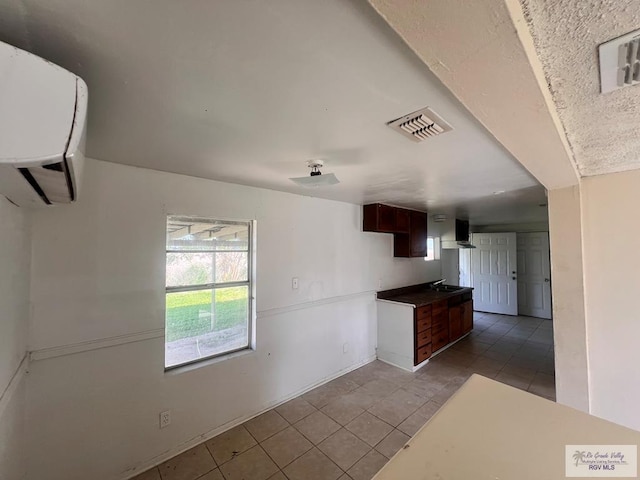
[620, 62]
[420, 125]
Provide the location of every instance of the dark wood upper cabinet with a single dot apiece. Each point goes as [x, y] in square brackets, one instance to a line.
[408, 226]
[418, 234]
[379, 218]
[386, 219]
[414, 243]
[403, 220]
[462, 230]
[402, 245]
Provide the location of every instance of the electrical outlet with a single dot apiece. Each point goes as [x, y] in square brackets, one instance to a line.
[165, 419]
[294, 283]
[345, 348]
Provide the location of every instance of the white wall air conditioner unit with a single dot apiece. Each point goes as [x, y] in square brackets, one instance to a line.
[43, 111]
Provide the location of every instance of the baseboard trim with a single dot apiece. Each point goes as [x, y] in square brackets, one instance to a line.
[157, 460]
[17, 378]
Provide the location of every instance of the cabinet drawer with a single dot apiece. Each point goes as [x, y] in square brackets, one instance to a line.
[439, 306]
[440, 339]
[440, 318]
[423, 312]
[441, 327]
[422, 338]
[422, 325]
[423, 353]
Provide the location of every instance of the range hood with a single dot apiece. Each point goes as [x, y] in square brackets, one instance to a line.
[455, 234]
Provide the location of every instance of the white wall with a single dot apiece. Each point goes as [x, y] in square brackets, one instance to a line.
[14, 314]
[98, 281]
[450, 258]
[611, 267]
[567, 274]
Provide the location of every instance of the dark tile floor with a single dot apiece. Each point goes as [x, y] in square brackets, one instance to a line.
[350, 427]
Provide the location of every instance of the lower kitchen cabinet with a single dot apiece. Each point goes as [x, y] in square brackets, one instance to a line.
[460, 317]
[408, 335]
[455, 323]
[423, 353]
[422, 332]
[440, 325]
[467, 316]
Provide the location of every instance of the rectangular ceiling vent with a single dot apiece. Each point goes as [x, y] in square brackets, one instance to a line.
[620, 62]
[420, 125]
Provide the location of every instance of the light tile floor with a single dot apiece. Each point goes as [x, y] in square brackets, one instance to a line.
[350, 427]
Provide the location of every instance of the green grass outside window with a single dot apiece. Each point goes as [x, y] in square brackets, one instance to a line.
[188, 313]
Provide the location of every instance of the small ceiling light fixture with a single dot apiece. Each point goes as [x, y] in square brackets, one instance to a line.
[498, 192]
[440, 217]
[316, 178]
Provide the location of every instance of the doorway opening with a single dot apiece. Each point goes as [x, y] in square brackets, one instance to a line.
[510, 273]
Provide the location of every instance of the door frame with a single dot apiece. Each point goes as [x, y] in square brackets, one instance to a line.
[510, 275]
[550, 280]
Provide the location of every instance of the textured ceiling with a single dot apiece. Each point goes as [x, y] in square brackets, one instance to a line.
[247, 92]
[602, 129]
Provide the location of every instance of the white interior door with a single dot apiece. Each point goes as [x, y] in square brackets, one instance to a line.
[493, 273]
[534, 277]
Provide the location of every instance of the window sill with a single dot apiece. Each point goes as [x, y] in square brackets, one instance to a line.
[208, 362]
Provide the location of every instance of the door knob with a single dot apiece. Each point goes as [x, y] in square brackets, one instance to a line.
[547, 280]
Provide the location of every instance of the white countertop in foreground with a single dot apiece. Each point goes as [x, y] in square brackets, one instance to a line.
[489, 430]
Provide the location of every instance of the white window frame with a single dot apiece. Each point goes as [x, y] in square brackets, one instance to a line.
[250, 283]
[435, 249]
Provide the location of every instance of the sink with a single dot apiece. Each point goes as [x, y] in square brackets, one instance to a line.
[446, 288]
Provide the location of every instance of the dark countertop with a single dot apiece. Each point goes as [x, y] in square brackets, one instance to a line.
[418, 295]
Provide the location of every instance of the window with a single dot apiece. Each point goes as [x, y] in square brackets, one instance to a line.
[208, 296]
[433, 249]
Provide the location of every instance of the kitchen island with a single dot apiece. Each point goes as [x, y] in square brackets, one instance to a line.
[419, 321]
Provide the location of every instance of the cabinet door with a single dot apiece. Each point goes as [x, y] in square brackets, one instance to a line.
[403, 220]
[455, 323]
[467, 316]
[379, 218]
[439, 339]
[386, 218]
[418, 234]
[402, 245]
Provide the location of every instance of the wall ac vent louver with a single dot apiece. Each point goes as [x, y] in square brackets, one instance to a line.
[420, 125]
[620, 62]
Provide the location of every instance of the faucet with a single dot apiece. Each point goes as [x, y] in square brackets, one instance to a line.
[438, 282]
